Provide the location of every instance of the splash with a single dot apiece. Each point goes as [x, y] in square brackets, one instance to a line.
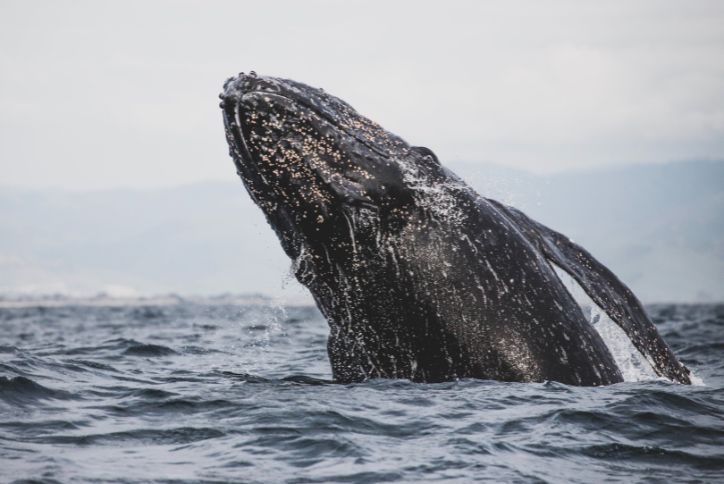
[435, 196]
[633, 365]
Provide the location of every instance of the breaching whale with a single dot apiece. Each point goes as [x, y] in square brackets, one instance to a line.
[418, 275]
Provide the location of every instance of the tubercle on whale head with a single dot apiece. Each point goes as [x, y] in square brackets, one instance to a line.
[308, 159]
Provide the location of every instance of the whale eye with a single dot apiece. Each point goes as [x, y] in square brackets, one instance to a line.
[426, 152]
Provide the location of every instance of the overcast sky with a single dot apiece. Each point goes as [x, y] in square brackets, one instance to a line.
[107, 94]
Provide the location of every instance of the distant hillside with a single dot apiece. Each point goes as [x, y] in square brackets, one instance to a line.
[203, 239]
[659, 227]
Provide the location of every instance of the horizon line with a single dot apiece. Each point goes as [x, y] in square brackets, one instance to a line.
[233, 179]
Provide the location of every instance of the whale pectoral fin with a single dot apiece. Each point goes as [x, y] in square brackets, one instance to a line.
[605, 289]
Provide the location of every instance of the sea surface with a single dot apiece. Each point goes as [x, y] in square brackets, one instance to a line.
[212, 391]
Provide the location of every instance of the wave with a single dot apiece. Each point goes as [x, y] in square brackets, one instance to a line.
[201, 398]
[179, 435]
[149, 350]
[21, 390]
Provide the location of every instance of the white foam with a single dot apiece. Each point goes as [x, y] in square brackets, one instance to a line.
[435, 196]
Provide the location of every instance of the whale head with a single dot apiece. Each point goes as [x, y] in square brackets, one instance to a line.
[312, 163]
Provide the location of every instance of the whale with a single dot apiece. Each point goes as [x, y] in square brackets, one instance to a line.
[419, 276]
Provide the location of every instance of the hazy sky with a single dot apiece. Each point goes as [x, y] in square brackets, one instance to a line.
[106, 94]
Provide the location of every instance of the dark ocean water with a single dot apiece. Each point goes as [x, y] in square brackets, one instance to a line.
[224, 392]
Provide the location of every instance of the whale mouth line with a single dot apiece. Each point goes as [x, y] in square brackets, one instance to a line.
[232, 120]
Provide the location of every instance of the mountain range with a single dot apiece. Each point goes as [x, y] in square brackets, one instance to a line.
[659, 227]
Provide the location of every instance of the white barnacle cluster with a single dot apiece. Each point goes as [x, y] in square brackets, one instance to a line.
[368, 131]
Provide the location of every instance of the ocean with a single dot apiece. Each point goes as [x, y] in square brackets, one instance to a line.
[219, 390]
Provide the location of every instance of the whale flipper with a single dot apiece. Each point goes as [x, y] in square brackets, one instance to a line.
[605, 289]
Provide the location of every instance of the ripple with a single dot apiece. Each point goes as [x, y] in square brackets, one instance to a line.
[652, 454]
[94, 365]
[181, 435]
[20, 390]
[703, 349]
[148, 350]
